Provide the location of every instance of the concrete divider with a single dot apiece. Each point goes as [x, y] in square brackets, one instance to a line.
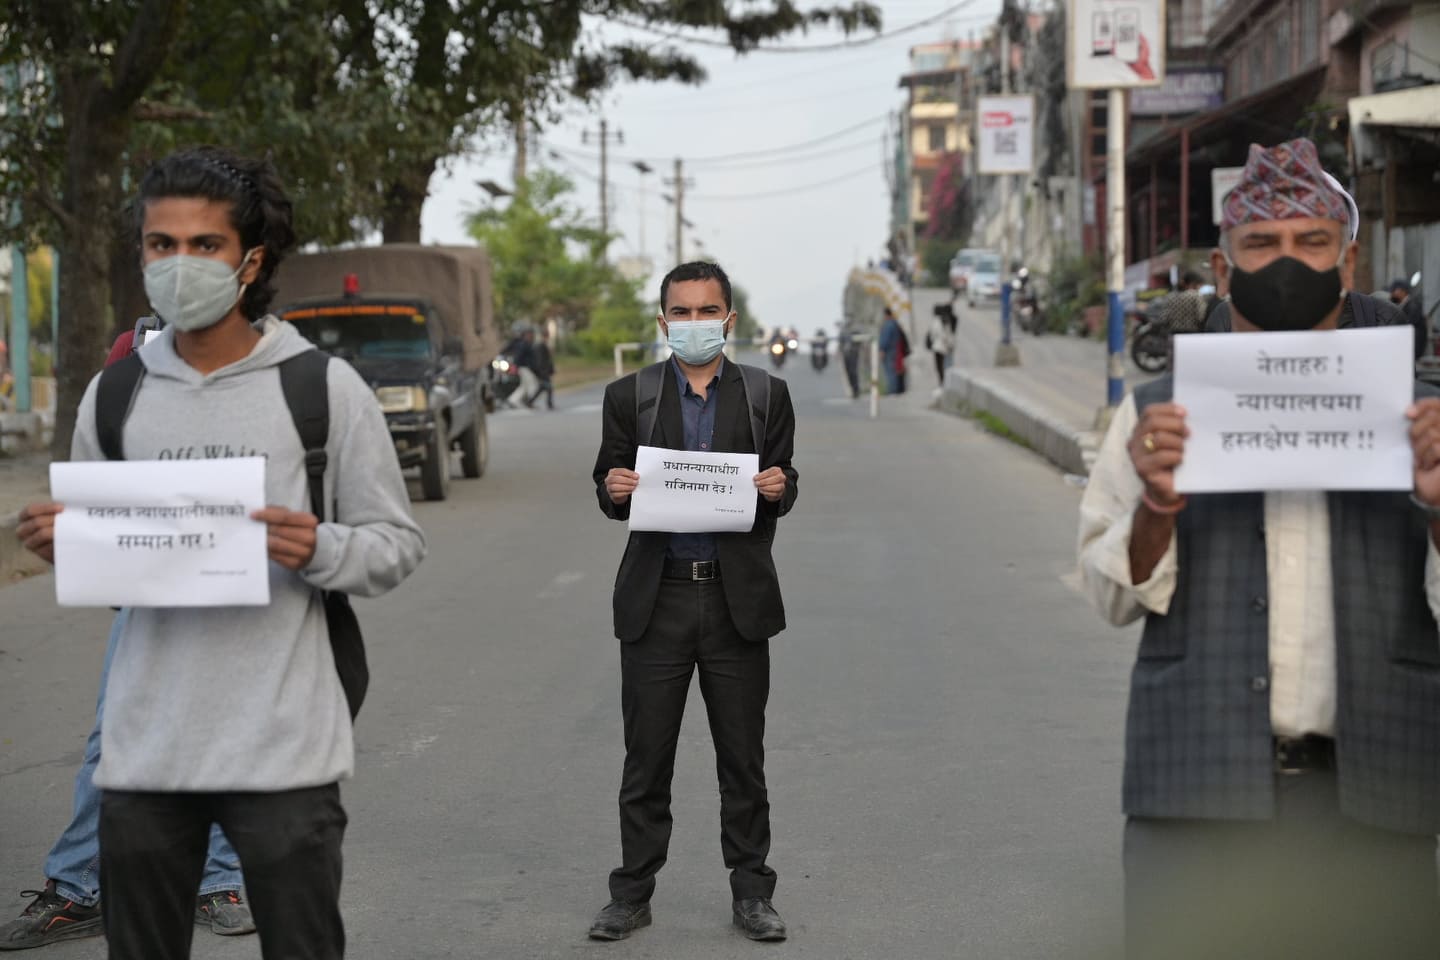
[969, 391]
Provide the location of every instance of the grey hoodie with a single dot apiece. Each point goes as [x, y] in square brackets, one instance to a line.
[247, 698]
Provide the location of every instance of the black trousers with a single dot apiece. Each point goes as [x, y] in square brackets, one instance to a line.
[1308, 884]
[691, 628]
[152, 853]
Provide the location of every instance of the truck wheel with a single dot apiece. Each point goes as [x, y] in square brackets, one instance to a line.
[435, 471]
[475, 447]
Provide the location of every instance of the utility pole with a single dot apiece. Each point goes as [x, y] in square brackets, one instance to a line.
[679, 183]
[643, 168]
[520, 138]
[604, 172]
[1007, 354]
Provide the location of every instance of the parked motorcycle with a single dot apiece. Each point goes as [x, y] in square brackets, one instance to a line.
[1150, 344]
[819, 351]
[1025, 304]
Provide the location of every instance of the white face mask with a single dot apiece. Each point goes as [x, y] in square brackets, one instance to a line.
[192, 293]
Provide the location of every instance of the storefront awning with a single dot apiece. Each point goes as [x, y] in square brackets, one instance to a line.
[1267, 110]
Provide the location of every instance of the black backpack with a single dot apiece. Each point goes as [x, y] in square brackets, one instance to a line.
[303, 381]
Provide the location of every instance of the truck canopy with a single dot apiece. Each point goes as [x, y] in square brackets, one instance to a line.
[455, 280]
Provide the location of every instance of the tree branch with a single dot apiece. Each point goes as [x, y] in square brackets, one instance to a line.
[154, 112]
[45, 197]
[143, 52]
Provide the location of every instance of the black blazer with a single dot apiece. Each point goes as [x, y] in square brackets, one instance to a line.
[747, 571]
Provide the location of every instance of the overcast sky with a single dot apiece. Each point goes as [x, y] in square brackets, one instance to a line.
[786, 224]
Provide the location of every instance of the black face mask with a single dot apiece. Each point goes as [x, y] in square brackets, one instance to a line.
[1287, 294]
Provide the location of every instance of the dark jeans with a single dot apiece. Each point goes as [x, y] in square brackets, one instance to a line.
[152, 851]
[691, 627]
[1308, 884]
[546, 387]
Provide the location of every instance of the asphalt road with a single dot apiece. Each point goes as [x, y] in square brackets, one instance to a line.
[944, 730]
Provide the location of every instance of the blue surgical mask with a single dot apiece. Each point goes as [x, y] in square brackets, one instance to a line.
[697, 342]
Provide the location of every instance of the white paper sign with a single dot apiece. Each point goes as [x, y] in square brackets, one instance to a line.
[1222, 181]
[160, 533]
[686, 492]
[1007, 134]
[1315, 410]
[1116, 43]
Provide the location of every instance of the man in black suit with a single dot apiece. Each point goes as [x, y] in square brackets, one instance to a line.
[683, 601]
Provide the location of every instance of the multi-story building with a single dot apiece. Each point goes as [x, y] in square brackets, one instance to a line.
[934, 125]
[1287, 68]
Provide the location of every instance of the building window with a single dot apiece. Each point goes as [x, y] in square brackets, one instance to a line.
[1309, 32]
[1097, 144]
[1256, 74]
[1382, 64]
[1280, 55]
[937, 138]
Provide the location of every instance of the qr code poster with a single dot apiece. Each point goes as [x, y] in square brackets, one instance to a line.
[1007, 134]
[1116, 44]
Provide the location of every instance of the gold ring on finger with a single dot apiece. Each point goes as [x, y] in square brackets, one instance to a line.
[1149, 443]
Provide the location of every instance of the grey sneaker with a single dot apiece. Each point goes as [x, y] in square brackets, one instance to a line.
[50, 918]
[224, 913]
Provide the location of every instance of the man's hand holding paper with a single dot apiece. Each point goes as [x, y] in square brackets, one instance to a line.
[677, 491]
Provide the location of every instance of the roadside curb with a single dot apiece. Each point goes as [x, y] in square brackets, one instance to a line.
[969, 391]
[15, 561]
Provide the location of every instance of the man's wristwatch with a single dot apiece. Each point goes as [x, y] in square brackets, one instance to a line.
[1431, 512]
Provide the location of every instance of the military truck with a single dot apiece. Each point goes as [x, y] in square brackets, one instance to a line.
[417, 322]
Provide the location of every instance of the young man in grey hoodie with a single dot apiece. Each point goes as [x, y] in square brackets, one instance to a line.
[236, 715]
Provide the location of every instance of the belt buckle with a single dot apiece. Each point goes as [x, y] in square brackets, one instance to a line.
[702, 570]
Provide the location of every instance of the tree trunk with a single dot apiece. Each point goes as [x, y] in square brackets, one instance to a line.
[127, 286]
[404, 199]
[96, 143]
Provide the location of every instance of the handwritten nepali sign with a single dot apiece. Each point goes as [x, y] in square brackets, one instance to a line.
[1313, 410]
[686, 492]
[174, 533]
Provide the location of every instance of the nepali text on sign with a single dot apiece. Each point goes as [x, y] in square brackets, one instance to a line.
[688, 492]
[142, 533]
[1313, 410]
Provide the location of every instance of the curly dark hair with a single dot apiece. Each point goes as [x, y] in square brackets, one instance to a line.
[259, 209]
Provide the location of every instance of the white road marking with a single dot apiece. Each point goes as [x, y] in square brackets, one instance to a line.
[555, 588]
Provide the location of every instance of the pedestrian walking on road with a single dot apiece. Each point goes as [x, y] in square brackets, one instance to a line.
[894, 349]
[696, 600]
[544, 367]
[236, 715]
[850, 355]
[940, 341]
[1282, 753]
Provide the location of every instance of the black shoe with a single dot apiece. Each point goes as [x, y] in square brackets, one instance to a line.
[757, 919]
[224, 913]
[619, 919]
[50, 918]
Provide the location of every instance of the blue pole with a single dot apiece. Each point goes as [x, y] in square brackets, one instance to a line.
[1115, 369]
[1005, 314]
[20, 327]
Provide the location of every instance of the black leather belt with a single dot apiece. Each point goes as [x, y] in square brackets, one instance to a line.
[697, 570]
[1299, 754]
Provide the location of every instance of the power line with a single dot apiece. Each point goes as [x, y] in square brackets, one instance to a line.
[791, 148]
[748, 165]
[792, 190]
[724, 159]
[811, 48]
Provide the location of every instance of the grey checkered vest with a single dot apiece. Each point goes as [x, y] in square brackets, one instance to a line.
[1198, 735]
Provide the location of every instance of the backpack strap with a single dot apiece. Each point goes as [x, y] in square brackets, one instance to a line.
[649, 381]
[114, 396]
[303, 381]
[757, 398]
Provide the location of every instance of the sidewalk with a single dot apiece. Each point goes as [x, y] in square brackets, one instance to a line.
[1051, 400]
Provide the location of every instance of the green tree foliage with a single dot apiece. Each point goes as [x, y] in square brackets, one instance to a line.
[459, 68]
[747, 325]
[549, 265]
